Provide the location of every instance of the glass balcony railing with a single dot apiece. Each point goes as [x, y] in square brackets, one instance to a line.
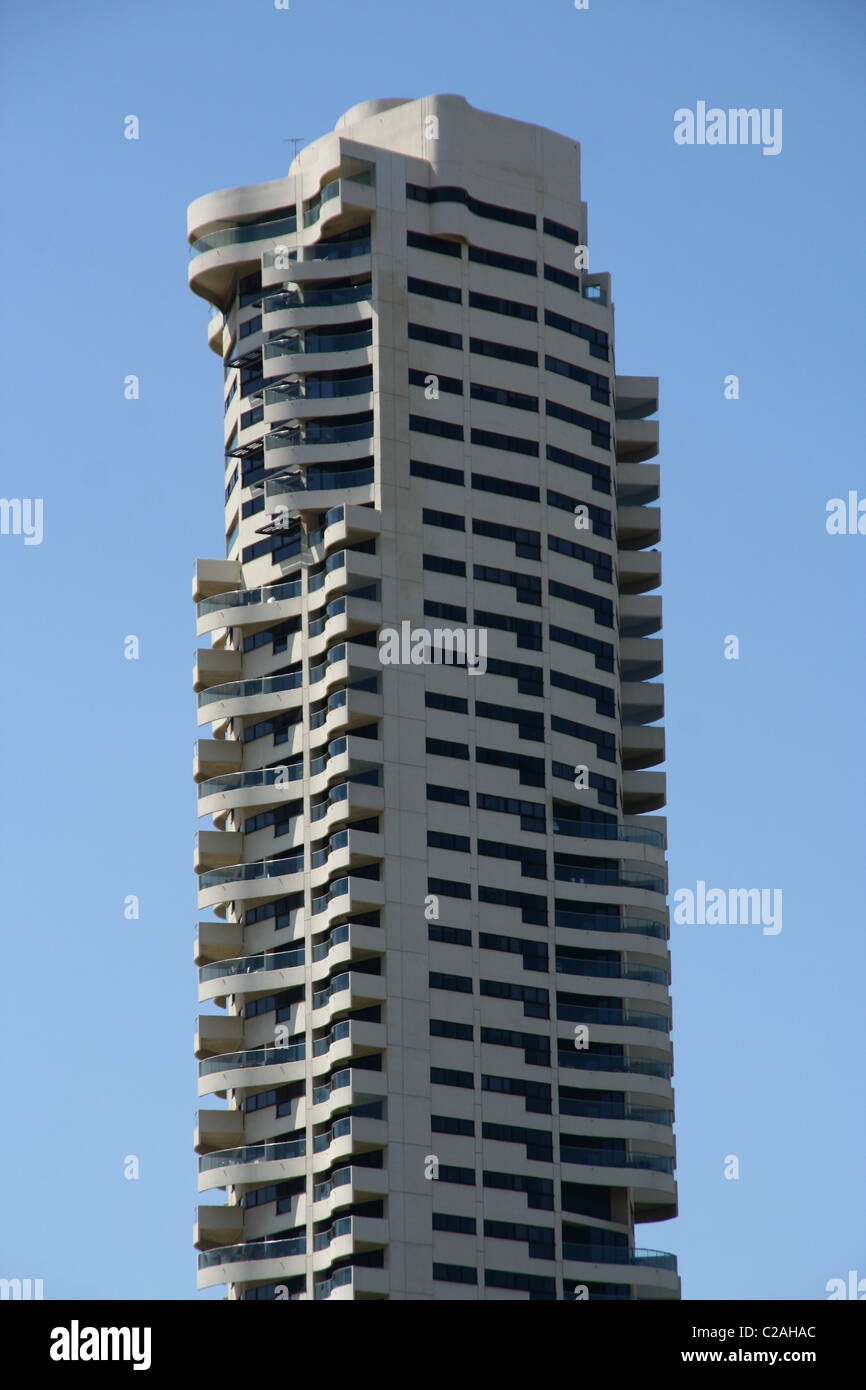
[312, 298]
[253, 1057]
[337, 1281]
[249, 873]
[313, 433]
[281, 391]
[252, 1250]
[343, 1227]
[338, 1129]
[590, 921]
[595, 1254]
[337, 250]
[356, 385]
[314, 389]
[338, 1179]
[252, 965]
[290, 344]
[592, 830]
[317, 626]
[240, 690]
[337, 985]
[590, 1061]
[614, 1110]
[335, 748]
[323, 1045]
[626, 1018]
[336, 1083]
[259, 777]
[317, 480]
[252, 1153]
[239, 235]
[605, 1158]
[336, 890]
[313, 210]
[324, 949]
[338, 841]
[610, 970]
[336, 701]
[608, 877]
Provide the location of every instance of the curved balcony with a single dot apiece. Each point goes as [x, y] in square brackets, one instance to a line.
[573, 1059]
[593, 1254]
[261, 787]
[636, 440]
[609, 970]
[638, 571]
[349, 521]
[347, 849]
[345, 1236]
[347, 615]
[601, 1158]
[344, 942]
[242, 234]
[320, 717]
[317, 433]
[336, 250]
[254, 1260]
[339, 1228]
[316, 389]
[346, 756]
[261, 974]
[347, 896]
[344, 800]
[250, 697]
[350, 1087]
[608, 878]
[348, 1039]
[616, 1110]
[352, 1133]
[313, 209]
[315, 297]
[612, 1018]
[580, 920]
[351, 1184]
[271, 603]
[292, 343]
[328, 486]
[339, 1129]
[352, 1283]
[251, 1164]
[592, 830]
[350, 990]
[343, 407]
[274, 877]
[317, 487]
[322, 1094]
[651, 1274]
[258, 1066]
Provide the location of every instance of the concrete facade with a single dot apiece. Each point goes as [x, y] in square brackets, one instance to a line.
[436, 896]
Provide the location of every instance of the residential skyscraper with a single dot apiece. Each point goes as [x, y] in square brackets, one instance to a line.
[439, 947]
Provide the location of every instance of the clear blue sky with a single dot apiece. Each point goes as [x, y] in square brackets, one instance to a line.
[723, 261]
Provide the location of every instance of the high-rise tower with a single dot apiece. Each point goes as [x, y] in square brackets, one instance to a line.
[439, 951]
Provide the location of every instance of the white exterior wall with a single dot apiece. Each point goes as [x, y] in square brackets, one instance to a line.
[533, 171]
